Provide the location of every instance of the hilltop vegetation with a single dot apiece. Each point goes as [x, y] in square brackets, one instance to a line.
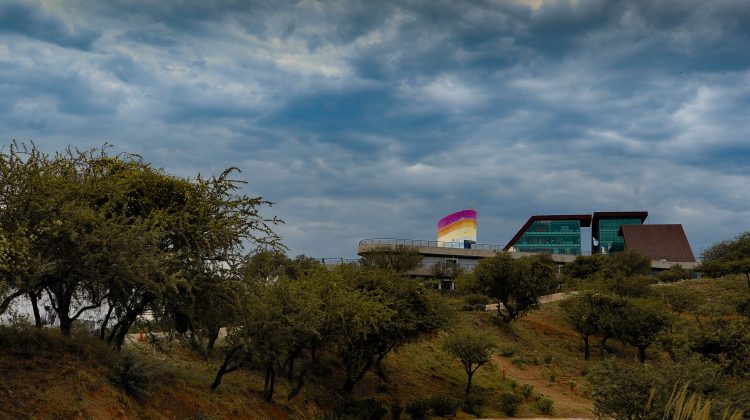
[237, 329]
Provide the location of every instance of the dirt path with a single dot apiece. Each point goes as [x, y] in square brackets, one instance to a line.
[568, 403]
[542, 300]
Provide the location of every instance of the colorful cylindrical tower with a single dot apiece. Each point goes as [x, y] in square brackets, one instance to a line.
[459, 227]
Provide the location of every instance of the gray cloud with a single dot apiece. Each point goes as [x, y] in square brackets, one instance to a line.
[370, 119]
[35, 23]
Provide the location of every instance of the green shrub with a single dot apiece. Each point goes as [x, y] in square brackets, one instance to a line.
[637, 286]
[675, 273]
[418, 409]
[475, 402]
[444, 406]
[368, 409]
[621, 391]
[28, 343]
[476, 299]
[678, 299]
[507, 351]
[527, 390]
[509, 402]
[545, 405]
[132, 376]
[522, 361]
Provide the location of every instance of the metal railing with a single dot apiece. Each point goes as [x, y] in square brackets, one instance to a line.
[420, 242]
[337, 260]
[333, 261]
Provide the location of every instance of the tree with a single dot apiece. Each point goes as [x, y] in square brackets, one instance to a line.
[728, 257]
[623, 391]
[591, 313]
[415, 313]
[641, 323]
[472, 348]
[287, 323]
[584, 267]
[626, 264]
[634, 286]
[400, 258]
[516, 284]
[25, 215]
[675, 273]
[95, 228]
[726, 343]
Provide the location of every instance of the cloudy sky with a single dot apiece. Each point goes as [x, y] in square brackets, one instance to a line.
[374, 118]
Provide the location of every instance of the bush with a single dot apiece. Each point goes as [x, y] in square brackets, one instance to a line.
[675, 273]
[507, 351]
[522, 361]
[363, 409]
[418, 409]
[545, 405]
[621, 391]
[444, 406]
[476, 299]
[678, 299]
[509, 402]
[527, 390]
[27, 343]
[133, 377]
[638, 286]
[474, 403]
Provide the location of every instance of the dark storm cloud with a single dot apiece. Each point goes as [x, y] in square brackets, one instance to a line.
[24, 20]
[365, 118]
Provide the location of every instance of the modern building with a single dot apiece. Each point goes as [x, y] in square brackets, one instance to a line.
[558, 235]
[605, 226]
[551, 234]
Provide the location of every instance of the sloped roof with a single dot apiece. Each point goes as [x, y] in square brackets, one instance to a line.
[659, 242]
[584, 219]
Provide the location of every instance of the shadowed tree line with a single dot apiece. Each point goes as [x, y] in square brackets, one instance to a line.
[88, 230]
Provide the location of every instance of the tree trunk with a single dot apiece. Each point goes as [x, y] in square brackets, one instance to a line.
[270, 381]
[35, 307]
[103, 330]
[379, 368]
[585, 347]
[119, 338]
[66, 324]
[747, 275]
[298, 387]
[469, 374]
[213, 335]
[641, 354]
[8, 300]
[352, 381]
[224, 368]
[290, 362]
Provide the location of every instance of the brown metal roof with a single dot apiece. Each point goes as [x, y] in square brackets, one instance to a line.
[585, 220]
[659, 242]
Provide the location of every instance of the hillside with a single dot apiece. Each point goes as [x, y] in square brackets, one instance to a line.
[49, 376]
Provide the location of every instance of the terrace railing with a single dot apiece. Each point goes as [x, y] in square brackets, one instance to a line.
[424, 243]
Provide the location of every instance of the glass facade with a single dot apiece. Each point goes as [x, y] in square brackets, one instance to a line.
[609, 242]
[552, 237]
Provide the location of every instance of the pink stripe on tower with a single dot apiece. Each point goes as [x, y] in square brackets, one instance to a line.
[459, 215]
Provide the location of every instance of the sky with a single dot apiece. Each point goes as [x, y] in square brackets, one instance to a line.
[373, 119]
